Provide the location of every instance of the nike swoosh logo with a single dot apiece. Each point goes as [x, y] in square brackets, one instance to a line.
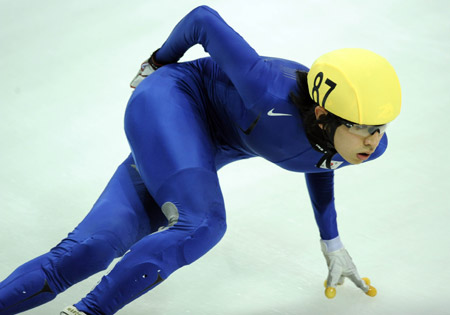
[271, 113]
[252, 126]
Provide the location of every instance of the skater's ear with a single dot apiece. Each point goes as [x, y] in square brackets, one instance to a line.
[320, 111]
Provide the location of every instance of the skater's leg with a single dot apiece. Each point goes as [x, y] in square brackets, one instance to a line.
[120, 217]
[175, 157]
[193, 201]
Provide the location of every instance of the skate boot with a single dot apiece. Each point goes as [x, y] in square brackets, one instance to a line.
[71, 310]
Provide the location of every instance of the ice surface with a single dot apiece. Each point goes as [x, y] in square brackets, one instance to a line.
[65, 67]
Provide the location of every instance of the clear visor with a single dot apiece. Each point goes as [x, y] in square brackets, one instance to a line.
[365, 130]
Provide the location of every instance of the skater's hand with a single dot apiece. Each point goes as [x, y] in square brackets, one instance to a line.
[143, 72]
[147, 67]
[341, 266]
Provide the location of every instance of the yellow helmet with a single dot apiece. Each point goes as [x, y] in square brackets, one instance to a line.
[357, 85]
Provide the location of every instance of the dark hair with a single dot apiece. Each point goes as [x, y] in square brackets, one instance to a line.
[323, 137]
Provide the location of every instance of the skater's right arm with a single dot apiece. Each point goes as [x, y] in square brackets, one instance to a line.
[340, 264]
[321, 192]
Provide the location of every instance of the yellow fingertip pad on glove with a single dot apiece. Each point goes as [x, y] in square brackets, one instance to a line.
[330, 292]
[372, 291]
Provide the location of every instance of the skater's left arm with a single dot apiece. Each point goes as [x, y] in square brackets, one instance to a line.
[340, 264]
[234, 56]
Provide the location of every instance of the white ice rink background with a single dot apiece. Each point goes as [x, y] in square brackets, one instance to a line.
[65, 67]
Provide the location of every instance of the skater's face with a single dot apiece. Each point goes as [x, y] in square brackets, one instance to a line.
[354, 148]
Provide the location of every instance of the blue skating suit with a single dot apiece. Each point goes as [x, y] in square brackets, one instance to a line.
[183, 123]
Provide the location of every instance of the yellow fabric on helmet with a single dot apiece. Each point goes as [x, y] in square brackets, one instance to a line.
[357, 85]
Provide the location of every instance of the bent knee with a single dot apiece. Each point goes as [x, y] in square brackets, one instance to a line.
[204, 234]
[204, 238]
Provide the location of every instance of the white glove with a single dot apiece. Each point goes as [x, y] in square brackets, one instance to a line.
[147, 67]
[340, 266]
[145, 70]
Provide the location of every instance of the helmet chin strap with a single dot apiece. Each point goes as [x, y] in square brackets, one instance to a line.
[330, 131]
[322, 139]
[329, 151]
